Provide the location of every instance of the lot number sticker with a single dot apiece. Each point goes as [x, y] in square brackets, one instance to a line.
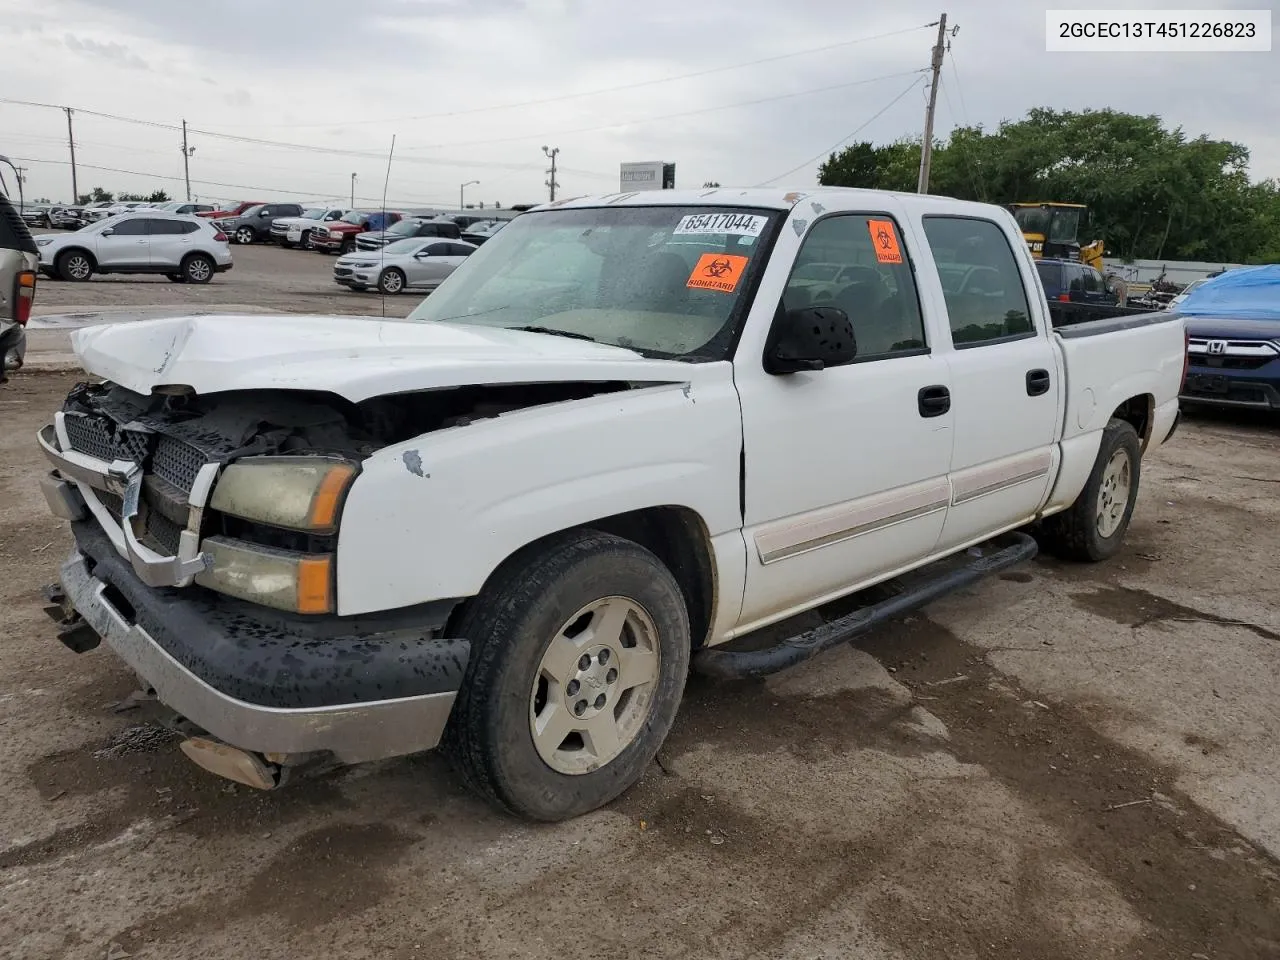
[717, 271]
[738, 224]
[885, 240]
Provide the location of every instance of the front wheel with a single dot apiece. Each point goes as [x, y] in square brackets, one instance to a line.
[1093, 528]
[74, 265]
[579, 653]
[391, 282]
[244, 235]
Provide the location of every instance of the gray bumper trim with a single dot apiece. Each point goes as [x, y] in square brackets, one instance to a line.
[354, 732]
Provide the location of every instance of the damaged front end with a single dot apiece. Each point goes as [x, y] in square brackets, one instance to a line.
[206, 535]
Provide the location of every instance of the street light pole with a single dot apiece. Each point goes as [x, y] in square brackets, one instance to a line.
[186, 155]
[551, 152]
[462, 188]
[353, 190]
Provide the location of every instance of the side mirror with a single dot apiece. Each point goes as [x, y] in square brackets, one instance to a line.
[107, 232]
[811, 338]
[264, 213]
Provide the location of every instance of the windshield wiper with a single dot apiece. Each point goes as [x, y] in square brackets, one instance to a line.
[555, 333]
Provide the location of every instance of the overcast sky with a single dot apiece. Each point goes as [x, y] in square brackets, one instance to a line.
[341, 75]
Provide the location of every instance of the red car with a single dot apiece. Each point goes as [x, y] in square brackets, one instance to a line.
[341, 236]
[235, 211]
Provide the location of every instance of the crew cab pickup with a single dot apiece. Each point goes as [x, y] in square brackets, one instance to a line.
[341, 235]
[624, 435]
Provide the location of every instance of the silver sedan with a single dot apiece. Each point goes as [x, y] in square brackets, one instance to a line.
[419, 263]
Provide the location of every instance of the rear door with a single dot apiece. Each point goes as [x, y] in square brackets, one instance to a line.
[1006, 387]
[125, 243]
[171, 240]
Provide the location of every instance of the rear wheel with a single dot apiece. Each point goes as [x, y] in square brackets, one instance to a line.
[348, 245]
[391, 282]
[579, 653]
[74, 265]
[1093, 528]
[197, 268]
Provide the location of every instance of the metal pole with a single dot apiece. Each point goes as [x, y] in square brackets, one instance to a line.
[71, 142]
[551, 152]
[186, 154]
[926, 147]
[353, 191]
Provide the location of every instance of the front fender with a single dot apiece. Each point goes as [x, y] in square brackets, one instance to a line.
[433, 517]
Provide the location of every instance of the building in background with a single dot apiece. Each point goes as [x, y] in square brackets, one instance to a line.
[650, 175]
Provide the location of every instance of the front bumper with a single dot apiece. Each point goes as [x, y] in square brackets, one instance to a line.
[1258, 390]
[359, 688]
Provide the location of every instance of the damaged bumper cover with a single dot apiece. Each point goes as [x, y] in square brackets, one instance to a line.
[360, 688]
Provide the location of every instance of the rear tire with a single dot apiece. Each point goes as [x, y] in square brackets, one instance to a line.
[579, 652]
[197, 268]
[1092, 529]
[74, 265]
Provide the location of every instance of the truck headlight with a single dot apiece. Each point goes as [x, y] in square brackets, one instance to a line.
[298, 493]
[297, 582]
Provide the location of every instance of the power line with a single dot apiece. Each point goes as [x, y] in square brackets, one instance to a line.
[682, 113]
[848, 136]
[625, 86]
[215, 183]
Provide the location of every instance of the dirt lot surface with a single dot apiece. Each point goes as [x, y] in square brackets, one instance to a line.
[1064, 762]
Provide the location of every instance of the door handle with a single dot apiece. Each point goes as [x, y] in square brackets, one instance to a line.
[933, 401]
[1037, 382]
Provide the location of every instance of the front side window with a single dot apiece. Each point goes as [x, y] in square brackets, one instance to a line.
[985, 296]
[137, 227]
[857, 262]
[665, 281]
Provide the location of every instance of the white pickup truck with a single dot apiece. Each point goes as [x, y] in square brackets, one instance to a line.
[627, 432]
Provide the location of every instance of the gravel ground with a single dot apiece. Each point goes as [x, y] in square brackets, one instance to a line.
[1063, 762]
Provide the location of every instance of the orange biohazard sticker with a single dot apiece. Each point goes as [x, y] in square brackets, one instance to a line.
[885, 240]
[717, 271]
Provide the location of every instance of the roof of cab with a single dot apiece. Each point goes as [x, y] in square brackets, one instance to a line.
[771, 198]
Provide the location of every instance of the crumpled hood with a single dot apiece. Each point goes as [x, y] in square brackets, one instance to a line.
[353, 357]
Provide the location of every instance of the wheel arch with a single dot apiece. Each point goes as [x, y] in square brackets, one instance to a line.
[1138, 411]
[66, 251]
[676, 535]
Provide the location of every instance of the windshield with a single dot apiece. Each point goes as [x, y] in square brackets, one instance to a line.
[403, 247]
[315, 213]
[253, 211]
[355, 217]
[1064, 227]
[1032, 219]
[405, 228]
[663, 281]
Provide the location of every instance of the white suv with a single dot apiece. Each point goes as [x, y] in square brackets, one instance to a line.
[185, 249]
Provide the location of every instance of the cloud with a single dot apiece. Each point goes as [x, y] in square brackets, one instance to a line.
[237, 98]
[117, 53]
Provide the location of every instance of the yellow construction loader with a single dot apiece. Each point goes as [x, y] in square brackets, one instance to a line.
[1052, 230]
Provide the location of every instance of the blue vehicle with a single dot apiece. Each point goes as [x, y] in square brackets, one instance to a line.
[1233, 337]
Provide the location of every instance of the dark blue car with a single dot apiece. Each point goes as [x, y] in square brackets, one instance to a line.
[1233, 330]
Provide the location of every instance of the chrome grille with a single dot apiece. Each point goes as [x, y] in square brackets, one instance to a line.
[177, 463]
[93, 436]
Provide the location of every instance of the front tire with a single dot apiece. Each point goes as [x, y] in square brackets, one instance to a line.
[391, 282]
[74, 265]
[1092, 529]
[579, 652]
[243, 235]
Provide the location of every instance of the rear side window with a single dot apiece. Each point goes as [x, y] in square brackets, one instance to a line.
[857, 262]
[985, 296]
[460, 250]
[1092, 280]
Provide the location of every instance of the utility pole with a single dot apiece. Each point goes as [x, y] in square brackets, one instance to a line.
[926, 146]
[353, 191]
[21, 173]
[551, 152]
[71, 142]
[186, 155]
[462, 192]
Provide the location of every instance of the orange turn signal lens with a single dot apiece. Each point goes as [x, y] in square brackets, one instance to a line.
[315, 585]
[324, 505]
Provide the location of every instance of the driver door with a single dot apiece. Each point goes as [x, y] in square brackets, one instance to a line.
[125, 243]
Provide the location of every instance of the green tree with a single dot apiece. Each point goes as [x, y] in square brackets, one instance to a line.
[98, 195]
